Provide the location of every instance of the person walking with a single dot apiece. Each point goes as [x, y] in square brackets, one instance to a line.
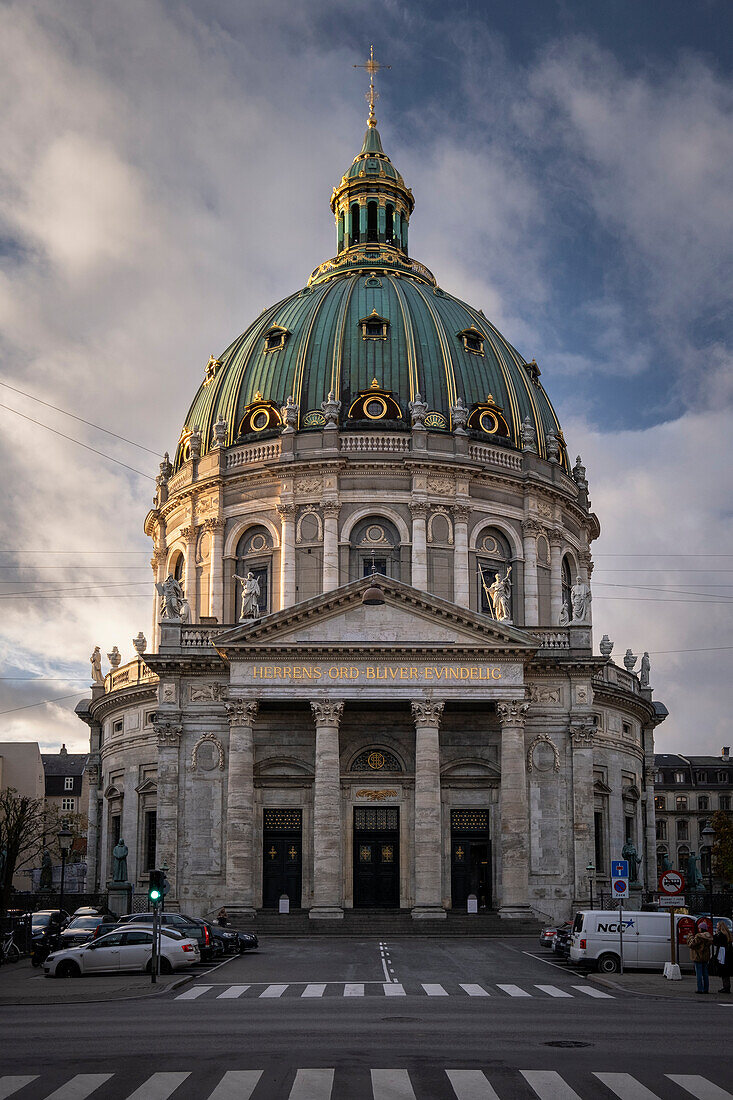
[699, 946]
[723, 954]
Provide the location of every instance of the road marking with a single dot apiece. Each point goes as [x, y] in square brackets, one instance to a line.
[312, 1084]
[393, 989]
[470, 1084]
[314, 991]
[548, 1085]
[545, 961]
[192, 994]
[273, 991]
[159, 1086]
[434, 990]
[626, 1087]
[231, 992]
[475, 990]
[514, 991]
[354, 989]
[237, 1084]
[79, 1087]
[591, 991]
[553, 991]
[9, 1085]
[391, 1084]
[699, 1086]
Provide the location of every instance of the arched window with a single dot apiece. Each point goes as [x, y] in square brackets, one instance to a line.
[661, 856]
[375, 547]
[567, 585]
[254, 555]
[683, 854]
[341, 231]
[492, 556]
[389, 227]
[354, 223]
[372, 230]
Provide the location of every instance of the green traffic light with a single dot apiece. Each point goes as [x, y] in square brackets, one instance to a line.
[154, 895]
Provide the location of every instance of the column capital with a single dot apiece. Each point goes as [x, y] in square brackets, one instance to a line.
[242, 712]
[327, 712]
[461, 513]
[331, 508]
[419, 509]
[188, 533]
[168, 732]
[512, 713]
[556, 538]
[92, 774]
[427, 712]
[286, 511]
[216, 523]
[531, 526]
[581, 733]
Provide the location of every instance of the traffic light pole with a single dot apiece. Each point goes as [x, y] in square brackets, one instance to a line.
[154, 957]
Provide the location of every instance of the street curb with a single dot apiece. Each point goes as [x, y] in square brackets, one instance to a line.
[609, 984]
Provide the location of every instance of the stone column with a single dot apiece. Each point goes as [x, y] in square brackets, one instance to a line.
[581, 737]
[287, 555]
[461, 582]
[190, 586]
[216, 568]
[428, 833]
[330, 545]
[327, 872]
[530, 530]
[556, 544]
[168, 730]
[419, 546]
[586, 570]
[90, 881]
[240, 807]
[157, 564]
[514, 812]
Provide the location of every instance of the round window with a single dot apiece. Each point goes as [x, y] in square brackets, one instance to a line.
[260, 420]
[375, 408]
[258, 542]
[488, 422]
[490, 545]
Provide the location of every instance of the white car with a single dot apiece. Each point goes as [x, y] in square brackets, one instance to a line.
[124, 949]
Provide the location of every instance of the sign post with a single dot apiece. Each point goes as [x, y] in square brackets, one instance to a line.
[620, 890]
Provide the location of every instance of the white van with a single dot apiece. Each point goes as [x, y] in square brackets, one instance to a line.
[595, 940]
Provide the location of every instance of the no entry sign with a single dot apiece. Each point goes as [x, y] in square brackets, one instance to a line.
[671, 882]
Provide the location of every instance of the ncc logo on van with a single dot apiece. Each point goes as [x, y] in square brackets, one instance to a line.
[671, 882]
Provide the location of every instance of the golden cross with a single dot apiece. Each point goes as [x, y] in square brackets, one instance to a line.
[372, 66]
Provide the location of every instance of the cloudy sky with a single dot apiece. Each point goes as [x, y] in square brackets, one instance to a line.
[165, 174]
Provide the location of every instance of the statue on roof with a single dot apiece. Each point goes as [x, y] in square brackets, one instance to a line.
[644, 673]
[96, 662]
[529, 436]
[250, 607]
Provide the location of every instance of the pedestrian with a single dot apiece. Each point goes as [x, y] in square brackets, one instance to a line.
[699, 946]
[723, 955]
[222, 918]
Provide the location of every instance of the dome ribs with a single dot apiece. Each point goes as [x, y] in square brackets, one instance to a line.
[340, 340]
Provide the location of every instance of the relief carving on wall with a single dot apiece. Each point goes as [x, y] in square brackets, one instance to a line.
[208, 738]
[543, 739]
[308, 485]
[439, 485]
[539, 694]
[376, 796]
[207, 693]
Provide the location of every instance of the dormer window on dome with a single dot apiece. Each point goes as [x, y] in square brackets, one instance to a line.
[374, 327]
[472, 340]
[487, 417]
[276, 338]
[259, 416]
[375, 404]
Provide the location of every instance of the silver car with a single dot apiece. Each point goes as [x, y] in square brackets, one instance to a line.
[124, 949]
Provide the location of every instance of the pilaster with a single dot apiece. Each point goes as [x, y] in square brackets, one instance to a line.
[461, 585]
[287, 555]
[242, 714]
[330, 545]
[427, 714]
[419, 511]
[581, 739]
[327, 836]
[168, 730]
[514, 812]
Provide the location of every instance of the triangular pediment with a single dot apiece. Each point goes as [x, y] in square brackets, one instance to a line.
[407, 618]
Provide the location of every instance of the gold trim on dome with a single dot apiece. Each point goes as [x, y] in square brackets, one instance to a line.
[372, 401]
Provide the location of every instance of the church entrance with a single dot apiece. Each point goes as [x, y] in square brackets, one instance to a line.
[282, 858]
[376, 857]
[470, 857]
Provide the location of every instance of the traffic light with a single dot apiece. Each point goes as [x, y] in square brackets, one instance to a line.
[155, 887]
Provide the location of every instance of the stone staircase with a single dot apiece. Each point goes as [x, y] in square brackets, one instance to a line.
[368, 923]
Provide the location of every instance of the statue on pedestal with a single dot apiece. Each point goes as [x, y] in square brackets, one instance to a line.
[119, 861]
[500, 593]
[580, 598]
[46, 881]
[629, 853]
[644, 674]
[693, 878]
[418, 408]
[171, 598]
[96, 662]
[250, 608]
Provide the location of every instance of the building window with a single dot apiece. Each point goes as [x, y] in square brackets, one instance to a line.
[681, 802]
[375, 547]
[629, 829]
[661, 830]
[69, 805]
[661, 857]
[69, 783]
[118, 726]
[659, 777]
[374, 327]
[701, 777]
[598, 836]
[151, 822]
[682, 833]
[275, 338]
[493, 556]
[683, 854]
[473, 341]
[660, 802]
[626, 729]
[722, 777]
[725, 801]
[679, 777]
[703, 802]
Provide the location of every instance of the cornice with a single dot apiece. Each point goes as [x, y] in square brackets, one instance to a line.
[613, 695]
[122, 697]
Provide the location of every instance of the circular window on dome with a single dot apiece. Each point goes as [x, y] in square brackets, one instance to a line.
[260, 420]
[375, 408]
[488, 422]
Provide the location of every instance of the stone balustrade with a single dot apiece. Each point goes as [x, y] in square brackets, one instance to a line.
[392, 444]
[267, 451]
[134, 672]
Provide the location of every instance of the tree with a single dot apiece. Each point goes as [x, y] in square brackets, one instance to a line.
[723, 846]
[23, 827]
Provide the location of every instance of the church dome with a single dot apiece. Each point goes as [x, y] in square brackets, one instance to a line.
[372, 320]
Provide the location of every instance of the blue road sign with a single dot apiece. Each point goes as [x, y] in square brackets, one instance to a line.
[620, 868]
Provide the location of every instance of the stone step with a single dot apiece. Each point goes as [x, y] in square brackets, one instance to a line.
[381, 922]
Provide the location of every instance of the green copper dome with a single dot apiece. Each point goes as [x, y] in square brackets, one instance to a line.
[372, 319]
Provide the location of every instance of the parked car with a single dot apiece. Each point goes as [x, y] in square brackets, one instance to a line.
[83, 928]
[546, 935]
[233, 941]
[94, 911]
[45, 927]
[124, 949]
[561, 940]
[199, 932]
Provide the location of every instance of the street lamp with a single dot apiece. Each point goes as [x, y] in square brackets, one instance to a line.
[708, 835]
[590, 871]
[65, 839]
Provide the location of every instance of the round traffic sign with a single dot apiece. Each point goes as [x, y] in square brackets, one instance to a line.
[671, 882]
[620, 886]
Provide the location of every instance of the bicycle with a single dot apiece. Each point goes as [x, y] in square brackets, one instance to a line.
[9, 950]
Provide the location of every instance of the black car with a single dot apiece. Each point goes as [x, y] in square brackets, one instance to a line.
[83, 928]
[199, 931]
[561, 940]
[233, 941]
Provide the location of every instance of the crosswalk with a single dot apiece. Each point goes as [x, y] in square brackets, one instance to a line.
[373, 1084]
[317, 990]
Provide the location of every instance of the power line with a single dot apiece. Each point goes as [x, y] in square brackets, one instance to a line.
[81, 588]
[652, 588]
[653, 599]
[75, 552]
[78, 442]
[38, 679]
[662, 554]
[79, 418]
[42, 703]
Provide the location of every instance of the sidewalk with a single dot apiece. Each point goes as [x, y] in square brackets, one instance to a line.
[23, 984]
[648, 983]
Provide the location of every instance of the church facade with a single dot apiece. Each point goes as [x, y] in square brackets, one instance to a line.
[370, 679]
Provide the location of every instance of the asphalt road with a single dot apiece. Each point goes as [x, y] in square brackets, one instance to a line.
[359, 1020]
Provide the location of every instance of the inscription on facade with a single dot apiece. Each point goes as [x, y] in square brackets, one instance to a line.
[389, 673]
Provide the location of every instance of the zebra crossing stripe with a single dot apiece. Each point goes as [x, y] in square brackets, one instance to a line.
[80, 1086]
[237, 1084]
[434, 990]
[354, 989]
[591, 991]
[391, 1084]
[312, 1084]
[475, 990]
[625, 1086]
[159, 1087]
[313, 991]
[514, 991]
[192, 994]
[9, 1085]
[232, 992]
[470, 1084]
[698, 1086]
[548, 1085]
[273, 991]
[393, 989]
[553, 991]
